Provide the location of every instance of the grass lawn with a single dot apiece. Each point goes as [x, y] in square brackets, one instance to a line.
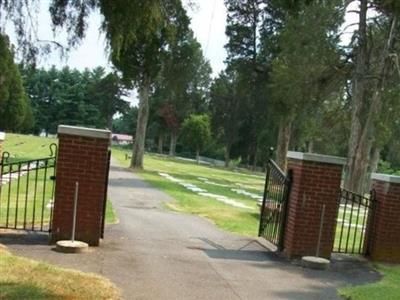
[25, 147]
[243, 221]
[386, 289]
[22, 278]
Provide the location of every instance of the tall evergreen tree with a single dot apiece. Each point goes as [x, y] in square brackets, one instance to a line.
[303, 70]
[15, 110]
[243, 28]
[226, 112]
[373, 63]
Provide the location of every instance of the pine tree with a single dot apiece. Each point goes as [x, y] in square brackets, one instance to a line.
[15, 111]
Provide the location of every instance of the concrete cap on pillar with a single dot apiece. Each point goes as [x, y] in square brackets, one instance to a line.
[83, 131]
[386, 177]
[328, 159]
[2, 136]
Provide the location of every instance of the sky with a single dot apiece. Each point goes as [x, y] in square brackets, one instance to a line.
[207, 22]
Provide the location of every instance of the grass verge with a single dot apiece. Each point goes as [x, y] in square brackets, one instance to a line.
[111, 217]
[386, 289]
[22, 278]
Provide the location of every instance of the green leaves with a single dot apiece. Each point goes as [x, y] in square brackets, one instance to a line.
[88, 98]
[139, 32]
[15, 112]
[196, 132]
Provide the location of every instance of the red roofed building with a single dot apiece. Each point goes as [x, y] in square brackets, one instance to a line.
[121, 139]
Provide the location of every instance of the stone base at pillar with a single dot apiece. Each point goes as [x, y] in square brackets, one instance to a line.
[71, 246]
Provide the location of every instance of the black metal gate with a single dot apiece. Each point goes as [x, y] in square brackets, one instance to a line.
[275, 204]
[354, 222]
[27, 192]
[103, 221]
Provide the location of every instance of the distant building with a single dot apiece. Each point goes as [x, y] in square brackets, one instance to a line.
[121, 139]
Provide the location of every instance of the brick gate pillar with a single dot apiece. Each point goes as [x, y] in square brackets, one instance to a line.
[316, 181]
[82, 157]
[385, 232]
[2, 138]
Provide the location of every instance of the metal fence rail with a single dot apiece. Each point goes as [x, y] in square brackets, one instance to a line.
[274, 205]
[354, 221]
[27, 192]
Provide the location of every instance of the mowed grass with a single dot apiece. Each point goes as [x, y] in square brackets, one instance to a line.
[25, 147]
[243, 221]
[27, 203]
[386, 289]
[22, 278]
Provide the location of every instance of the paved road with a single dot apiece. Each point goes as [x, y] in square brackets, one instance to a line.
[157, 254]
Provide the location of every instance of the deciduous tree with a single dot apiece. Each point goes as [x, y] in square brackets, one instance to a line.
[196, 132]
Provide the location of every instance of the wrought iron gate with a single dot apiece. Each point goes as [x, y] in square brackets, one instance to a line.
[354, 222]
[275, 204]
[27, 192]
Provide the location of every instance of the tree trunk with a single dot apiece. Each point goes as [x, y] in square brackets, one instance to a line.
[227, 155]
[373, 166]
[359, 168]
[310, 147]
[143, 115]
[358, 100]
[285, 128]
[198, 156]
[109, 122]
[160, 144]
[375, 158]
[255, 157]
[172, 145]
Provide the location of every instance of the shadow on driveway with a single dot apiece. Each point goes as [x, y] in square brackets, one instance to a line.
[14, 237]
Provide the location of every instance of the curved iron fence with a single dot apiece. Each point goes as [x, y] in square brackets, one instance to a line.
[354, 222]
[27, 192]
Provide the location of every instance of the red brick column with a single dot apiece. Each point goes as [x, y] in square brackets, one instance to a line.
[316, 181]
[82, 157]
[385, 233]
[2, 138]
